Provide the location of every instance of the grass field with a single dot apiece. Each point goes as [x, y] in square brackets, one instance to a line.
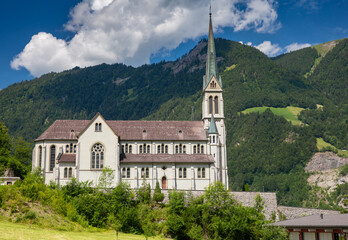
[11, 231]
[321, 144]
[289, 113]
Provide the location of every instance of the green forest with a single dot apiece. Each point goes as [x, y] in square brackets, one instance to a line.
[265, 151]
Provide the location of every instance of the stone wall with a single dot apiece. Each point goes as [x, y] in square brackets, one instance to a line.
[295, 212]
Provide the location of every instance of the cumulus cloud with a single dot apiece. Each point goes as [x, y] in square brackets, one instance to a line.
[296, 46]
[269, 49]
[129, 31]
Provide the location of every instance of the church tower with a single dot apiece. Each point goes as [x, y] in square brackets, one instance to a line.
[213, 110]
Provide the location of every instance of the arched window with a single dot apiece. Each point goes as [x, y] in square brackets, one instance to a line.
[148, 149]
[97, 156]
[198, 148]
[202, 149]
[99, 127]
[184, 149]
[67, 148]
[71, 148]
[185, 173]
[96, 127]
[74, 148]
[203, 172]
[166, 148]
[180, 148]
[180, 172]
[194, 149]
[142, 174]
[141, 149]
[216, 105]
[159, 149]
[40, 156]
[210, 104]
[126, 147]
[123, 173]
[53, 157]
[162, 148]
[130, 148]
[213, 139]
[176, 149]
[147, 173]
[128, 172]
[70, 172]
[199, 173]
[65, 172]
[144, 148]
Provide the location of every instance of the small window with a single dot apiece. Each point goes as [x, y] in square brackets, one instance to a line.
[141, 149]
[74, 148]
[52, 157]
[148, 148]
[216, 105]
[199, 173]
[122, 148]
[162, 148]
[185, 175]
[166, 148]
[123, 173]
[128, 172]
[184, 149]
[96, 127]
[142, 172]
[203, 172]
[198, 148]
[144, 148]
[159, 149]
[126, 150]
[180, 148]
[202, 149]
[130, 148]
[180, 172]
[176, 149]
[147, 173]
[71, 148]
[194, 149]
[67, 148]
[40, 156]
[210, 105]
[70, 172]
[65, 172]
[213, 139]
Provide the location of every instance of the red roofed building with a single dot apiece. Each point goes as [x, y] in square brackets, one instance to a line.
[186, 155]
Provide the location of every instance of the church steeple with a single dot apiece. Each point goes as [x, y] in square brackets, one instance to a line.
[211, 66]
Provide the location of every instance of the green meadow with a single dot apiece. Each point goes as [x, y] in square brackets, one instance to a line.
[321, 144]
[289, 113]
[10, 231]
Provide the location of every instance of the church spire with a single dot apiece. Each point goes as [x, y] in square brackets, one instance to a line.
[211, 67]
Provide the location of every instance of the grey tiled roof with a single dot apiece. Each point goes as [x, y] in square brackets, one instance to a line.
[328, 221]
[131, 130]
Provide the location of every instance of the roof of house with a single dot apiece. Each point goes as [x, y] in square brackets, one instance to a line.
[318, 221]
[166, 158]
[131, 130]
[67, 158]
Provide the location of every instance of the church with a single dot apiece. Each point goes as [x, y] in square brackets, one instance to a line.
[182, 155]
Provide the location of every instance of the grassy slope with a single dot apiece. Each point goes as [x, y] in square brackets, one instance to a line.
[321, 144]
[27, 232]
[289, 113]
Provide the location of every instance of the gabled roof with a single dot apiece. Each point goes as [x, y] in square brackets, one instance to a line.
[131, 130]
[167, 158]
[318, 221]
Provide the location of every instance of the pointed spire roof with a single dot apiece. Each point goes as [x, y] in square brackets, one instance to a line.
[212, 127]
[211, 66]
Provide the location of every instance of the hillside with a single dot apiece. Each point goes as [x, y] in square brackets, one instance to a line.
[264, 151]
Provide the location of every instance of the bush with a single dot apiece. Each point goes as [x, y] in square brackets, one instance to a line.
[158, 196]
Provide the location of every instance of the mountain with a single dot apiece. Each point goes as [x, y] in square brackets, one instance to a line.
[264, 150]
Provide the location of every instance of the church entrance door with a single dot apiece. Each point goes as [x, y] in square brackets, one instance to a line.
[164, 182]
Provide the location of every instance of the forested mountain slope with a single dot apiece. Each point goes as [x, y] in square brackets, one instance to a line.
[264, 151]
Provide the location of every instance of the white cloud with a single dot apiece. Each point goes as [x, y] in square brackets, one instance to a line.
[129, 31]
[296, 46]
[269, 49]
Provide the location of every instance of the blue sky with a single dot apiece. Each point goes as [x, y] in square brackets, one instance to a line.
[41, 36]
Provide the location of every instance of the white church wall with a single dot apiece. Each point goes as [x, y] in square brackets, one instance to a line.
[107, 138]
